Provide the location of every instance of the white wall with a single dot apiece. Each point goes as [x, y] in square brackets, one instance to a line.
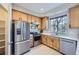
[74, 33]
[9, 22]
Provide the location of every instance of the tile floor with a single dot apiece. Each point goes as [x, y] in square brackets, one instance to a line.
[42, 50]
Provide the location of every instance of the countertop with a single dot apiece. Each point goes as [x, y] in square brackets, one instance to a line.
[61, 36]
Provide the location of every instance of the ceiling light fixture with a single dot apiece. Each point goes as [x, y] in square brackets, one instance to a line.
[42, 9]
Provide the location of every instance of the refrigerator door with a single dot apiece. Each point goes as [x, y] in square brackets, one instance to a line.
[18, 31]
[26, 31]
[22, 47]
[22, 29]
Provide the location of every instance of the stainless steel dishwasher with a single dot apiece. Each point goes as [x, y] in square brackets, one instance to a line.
[68, 46]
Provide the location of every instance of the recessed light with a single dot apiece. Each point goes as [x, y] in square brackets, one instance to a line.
[42, 9]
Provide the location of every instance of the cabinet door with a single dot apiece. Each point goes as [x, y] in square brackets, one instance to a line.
[44, 39]
[56, 43]
[29, 18]
[74, 17]
[15, 15]
[33, 19]
[49, 41]
[39, 22]
[23, 16]
[44, 22]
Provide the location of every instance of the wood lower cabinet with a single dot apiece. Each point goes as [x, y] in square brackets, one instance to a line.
[51, 41]
[44, 39]
[56, 43]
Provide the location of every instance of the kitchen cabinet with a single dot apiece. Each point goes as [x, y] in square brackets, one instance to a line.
[16, 15]
[44, 39]
[29, 18]
[51, 41]
[44, 23]
[56, 43]
[38, 20]
[68, 46]
[74, 17]
[23, 16]
[33, 19]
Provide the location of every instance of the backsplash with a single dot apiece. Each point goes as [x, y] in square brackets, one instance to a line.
[73, 33]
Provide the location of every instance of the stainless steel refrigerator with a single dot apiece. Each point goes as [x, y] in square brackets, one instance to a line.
[20, 37]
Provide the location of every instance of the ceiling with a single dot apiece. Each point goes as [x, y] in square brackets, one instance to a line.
[39, 7]
[42, 9]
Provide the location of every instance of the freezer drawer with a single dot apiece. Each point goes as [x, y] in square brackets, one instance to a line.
[22, 47]
[68, 46]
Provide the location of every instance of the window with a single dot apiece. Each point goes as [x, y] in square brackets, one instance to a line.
[59, 25]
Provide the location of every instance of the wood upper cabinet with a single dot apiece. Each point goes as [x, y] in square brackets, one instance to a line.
[44, 23]
[29, 18]
[39, 21]
[23, 16]
[74, 17]
[16, 15]
[33, 19]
